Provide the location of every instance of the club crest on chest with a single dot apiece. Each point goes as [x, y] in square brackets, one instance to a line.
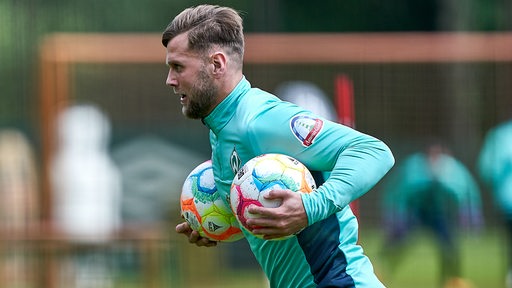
[234, 161]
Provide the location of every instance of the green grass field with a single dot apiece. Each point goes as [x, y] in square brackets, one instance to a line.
[483, 264]
[483, 260]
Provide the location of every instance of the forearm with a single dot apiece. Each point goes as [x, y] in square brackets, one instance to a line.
[358, 168]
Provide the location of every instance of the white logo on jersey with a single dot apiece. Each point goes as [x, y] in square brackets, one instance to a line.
[235, 161]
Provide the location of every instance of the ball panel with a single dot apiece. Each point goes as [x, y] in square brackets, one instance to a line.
[265, 173]
[189, 212]
[203, 208]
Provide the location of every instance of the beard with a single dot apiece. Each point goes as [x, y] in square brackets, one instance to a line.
[201, 97]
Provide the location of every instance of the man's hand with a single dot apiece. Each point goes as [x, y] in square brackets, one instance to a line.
[285, 220]
[193, 236]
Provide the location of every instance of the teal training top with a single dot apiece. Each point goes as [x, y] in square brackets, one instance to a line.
[251, 122]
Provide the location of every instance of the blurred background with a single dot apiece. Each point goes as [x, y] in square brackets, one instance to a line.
[94, 148]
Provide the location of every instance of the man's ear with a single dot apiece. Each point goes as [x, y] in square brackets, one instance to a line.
[219, 61]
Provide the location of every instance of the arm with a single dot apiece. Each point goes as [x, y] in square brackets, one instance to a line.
[358, 167]
[356, 161]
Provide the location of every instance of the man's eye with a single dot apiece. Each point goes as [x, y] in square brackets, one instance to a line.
[177, 68]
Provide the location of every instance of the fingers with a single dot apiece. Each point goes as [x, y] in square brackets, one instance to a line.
[183, 228]
[287, 219]
[273, 194]
[259, 210]
[193, 236]
[276, 197]
[205, 242]
[285, 205]
[270, 227]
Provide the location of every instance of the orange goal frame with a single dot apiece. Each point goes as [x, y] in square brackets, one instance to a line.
[58, 52]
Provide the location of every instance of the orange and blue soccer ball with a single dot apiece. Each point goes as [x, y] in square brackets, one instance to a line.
[262, 174]
[203, 208]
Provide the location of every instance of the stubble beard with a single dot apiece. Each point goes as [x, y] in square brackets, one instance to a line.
[202, 97]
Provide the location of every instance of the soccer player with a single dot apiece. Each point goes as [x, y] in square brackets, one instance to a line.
[495, 167]
[431, 189]
[205, 47]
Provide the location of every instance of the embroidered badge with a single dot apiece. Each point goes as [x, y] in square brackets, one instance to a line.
[235, 161]
[306, 128]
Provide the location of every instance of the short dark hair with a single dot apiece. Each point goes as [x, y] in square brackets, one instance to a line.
[208, 25]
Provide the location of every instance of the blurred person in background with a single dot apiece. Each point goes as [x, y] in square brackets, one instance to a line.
[18, 182]
[307, 95]
[86, 186]
[495, 169]
[434, 191]
[19, 207]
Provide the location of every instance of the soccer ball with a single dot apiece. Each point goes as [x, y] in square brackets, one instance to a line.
[203, 208]
[265, 173]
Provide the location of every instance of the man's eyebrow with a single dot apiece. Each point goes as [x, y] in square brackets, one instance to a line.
[172, 62]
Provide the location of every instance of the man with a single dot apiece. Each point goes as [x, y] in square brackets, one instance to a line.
[205, 46]
[431, 189]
